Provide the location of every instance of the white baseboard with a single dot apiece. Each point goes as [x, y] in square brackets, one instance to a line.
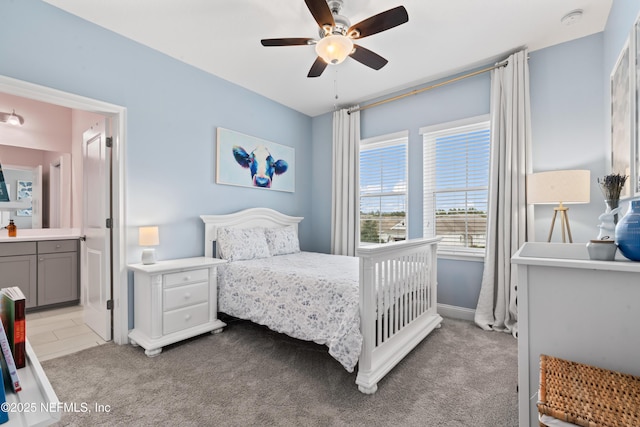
[455, 312]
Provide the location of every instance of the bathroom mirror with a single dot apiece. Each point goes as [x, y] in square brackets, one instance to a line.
[48, 193]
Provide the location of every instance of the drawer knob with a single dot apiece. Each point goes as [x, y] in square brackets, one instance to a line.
[187, 295]
[57, 246]
[187, 317]
[186, 278]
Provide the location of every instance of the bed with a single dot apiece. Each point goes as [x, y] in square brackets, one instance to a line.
[370, 310]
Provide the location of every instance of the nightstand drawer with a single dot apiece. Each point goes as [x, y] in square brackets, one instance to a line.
[183, 277]
[185, 295]
[184, 318]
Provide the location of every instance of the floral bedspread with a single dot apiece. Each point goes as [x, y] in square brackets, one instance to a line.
[306, 295]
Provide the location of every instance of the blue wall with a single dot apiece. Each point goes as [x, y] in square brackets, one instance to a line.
[568, 130]
[468, 98]
[567, 116]
[173, 110]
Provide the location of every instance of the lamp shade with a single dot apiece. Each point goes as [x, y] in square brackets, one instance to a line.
[564, 186]
[334, 49]
[148, 236]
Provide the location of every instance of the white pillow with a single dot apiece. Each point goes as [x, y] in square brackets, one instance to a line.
[282, 240]
[238, 244]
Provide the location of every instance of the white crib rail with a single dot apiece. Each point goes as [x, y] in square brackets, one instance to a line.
[398, 304]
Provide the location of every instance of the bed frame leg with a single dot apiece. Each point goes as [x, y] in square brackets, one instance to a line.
[368, 390]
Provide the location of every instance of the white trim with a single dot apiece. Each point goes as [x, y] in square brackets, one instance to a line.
[118, 115]
[377, 142]
[449, 126]
[430, 136]
[461, 255]
[388, 138]
[456, 312]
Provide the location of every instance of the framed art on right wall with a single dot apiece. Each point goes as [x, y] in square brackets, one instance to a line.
[635, 78]
[621, 117]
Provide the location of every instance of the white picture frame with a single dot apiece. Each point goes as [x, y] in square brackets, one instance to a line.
[621, 117]
[24, 191]
[634, 176]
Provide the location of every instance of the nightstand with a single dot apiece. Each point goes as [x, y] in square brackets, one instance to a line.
[174, 300]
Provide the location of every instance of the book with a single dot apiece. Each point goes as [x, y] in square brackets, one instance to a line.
[4, 413]
[8, 359]
[12, 313]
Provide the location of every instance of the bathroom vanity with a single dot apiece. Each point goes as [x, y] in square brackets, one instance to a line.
[44, 263]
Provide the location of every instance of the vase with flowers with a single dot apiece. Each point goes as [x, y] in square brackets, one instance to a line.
[611, 187]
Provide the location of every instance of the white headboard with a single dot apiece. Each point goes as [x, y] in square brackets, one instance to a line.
[253, 217]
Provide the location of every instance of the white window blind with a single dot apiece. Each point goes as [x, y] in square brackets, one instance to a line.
[456, 179]
[383, 190]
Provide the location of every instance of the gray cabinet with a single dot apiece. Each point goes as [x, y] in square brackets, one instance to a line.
[57, 271]
[18, 268]
[46, 271]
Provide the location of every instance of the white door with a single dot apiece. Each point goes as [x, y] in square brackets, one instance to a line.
[96, 277]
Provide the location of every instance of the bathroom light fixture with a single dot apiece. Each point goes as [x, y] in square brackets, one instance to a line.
[12, 118]
[334, 49]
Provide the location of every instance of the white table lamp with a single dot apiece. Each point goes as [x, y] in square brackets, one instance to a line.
[559, 187]
[148, 236]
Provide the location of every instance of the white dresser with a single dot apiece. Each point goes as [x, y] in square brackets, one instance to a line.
[575, 309]
[174, 300]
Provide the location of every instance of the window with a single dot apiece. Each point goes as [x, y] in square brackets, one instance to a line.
[456, 179]
[383, 189]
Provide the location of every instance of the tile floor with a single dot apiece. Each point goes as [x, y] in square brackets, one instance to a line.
[58, 332]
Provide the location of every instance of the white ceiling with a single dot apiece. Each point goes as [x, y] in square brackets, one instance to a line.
[442, 37]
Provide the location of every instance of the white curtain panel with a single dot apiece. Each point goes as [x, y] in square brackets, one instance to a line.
[344, 193]
[507, 212]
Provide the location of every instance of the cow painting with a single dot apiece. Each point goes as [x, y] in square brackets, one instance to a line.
[261, 164]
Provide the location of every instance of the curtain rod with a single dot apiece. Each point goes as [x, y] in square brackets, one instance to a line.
[424, 89]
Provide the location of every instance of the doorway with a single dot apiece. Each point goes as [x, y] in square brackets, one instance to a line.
[119, 299]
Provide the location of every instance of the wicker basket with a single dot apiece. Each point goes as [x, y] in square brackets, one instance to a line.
[588, 396]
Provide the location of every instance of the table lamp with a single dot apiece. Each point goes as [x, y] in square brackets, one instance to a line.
[148, 236]
[559, 187]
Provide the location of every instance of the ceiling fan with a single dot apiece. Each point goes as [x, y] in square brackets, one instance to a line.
[337, 35]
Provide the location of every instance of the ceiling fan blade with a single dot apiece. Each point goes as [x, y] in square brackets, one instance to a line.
[380, 22]
[321, 12]
[368, 58]
[285, 42]
[317, 68]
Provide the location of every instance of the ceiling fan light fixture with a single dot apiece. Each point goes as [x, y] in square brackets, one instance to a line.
[334, 49]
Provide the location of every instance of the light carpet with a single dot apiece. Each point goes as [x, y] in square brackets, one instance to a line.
[248, 375]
